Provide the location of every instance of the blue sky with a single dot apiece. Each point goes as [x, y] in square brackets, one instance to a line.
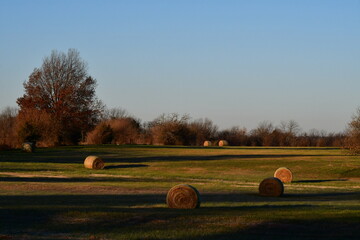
[235, 62]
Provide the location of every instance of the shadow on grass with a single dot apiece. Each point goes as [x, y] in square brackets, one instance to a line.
[86, 200]
[133, 154]
[126, 166]
[75, 158]
[78, 179]
[121, 214]
[320, 181]
[334, 228]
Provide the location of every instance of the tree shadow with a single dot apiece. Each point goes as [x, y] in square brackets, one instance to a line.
[255, 197]
[320, 181]
[324, 228]
[125, 166]
[107, 200]
[75, 158]
[328, 196]
[31, 214]
[77, 179]
[75, 155]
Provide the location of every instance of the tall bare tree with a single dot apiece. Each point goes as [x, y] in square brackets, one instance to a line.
[62, 88]
[7, 126]
[352, 141]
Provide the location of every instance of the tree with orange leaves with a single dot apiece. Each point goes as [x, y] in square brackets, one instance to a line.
[63, 90]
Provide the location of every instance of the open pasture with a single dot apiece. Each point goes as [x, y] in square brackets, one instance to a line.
[49, 194]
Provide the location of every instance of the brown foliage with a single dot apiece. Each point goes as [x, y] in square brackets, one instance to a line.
[235, 136]
[171, 130]
[116, 131]
[352, 141]
[126, 130]
[202, 130]
[102, 134]
[62, 89]
[7, 129]
[36, 126]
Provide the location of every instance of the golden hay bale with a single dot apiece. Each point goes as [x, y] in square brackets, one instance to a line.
[223, 143]
[207, 144]
[94, 162]
[28, 147]
[284, 174]
[271, 187]
[183, 196]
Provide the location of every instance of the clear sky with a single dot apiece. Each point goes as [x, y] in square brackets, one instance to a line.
[235, 62]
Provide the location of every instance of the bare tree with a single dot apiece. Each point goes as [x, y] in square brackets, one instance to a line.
[202, 129]
[352, 141]
[7, 127]
[262, 134]
[115, 113]
[236, 136]
[289, 130]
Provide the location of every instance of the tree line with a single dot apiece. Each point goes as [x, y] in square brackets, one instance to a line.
[60, 107]
[116, 126]
[175, 129]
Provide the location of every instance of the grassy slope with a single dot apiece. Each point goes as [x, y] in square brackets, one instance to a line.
[49, 194]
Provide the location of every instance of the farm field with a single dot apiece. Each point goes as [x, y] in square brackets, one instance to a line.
[49, 194]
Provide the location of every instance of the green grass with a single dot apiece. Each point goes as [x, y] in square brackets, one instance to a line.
[50, 195]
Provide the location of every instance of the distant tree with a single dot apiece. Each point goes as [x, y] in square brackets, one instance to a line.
[288, 133]
[126, 130]
[202, 130]
[235, 136]
[63, 89]
[171, 129]
[352, 142]
[7, 127]
[262, 135]
[114, 113]
[102, 134]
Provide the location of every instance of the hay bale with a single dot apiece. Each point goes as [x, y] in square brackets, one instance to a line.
[223, 143]
[284, 174]
[28, 147]
[94, 162]
[271, 187]
[207, 144]
[183, 196]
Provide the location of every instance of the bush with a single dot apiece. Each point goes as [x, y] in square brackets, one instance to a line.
[202, 130]
[37, 126]
[171, 130]
[8, 137]
[115, 131]
[352, 141]
[102, 134]
[126, 130]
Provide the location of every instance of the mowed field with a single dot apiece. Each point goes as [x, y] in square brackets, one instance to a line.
[49, 194]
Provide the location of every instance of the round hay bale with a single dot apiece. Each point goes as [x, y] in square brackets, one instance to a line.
[271, 187]
[183, 196]
[284, 174]
[28, 147]
[207, 144]
[94, 162]
[223, 143]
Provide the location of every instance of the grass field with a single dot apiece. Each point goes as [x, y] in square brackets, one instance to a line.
[50, 195]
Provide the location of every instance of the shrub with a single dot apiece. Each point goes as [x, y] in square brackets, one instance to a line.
[102, 134]
[352, 141]
[8, 137]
